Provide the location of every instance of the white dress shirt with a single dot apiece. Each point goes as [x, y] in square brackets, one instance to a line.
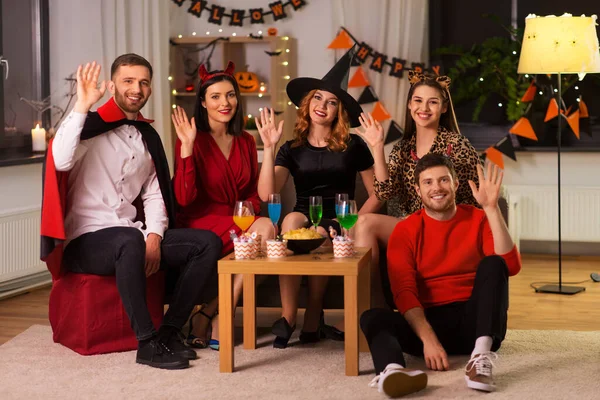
[107, 173]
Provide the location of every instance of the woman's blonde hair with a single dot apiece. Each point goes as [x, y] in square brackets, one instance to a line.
[340, 127]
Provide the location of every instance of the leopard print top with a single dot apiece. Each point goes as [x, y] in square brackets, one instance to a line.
[401, 167]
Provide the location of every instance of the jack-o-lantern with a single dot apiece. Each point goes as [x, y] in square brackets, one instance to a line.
[272, 31]
[247, 81]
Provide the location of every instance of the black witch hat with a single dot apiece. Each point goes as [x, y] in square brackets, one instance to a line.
[335, 81]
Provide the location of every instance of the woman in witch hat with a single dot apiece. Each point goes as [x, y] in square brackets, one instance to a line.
[430, 127]
[215, 165]
[323, 158]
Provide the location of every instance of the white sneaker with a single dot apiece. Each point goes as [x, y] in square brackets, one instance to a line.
[478, 372]
[396, 381]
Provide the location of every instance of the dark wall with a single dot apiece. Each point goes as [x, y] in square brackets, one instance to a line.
[461, 22]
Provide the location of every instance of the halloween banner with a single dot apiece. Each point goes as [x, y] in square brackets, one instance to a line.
[236, 17]
[377, 61]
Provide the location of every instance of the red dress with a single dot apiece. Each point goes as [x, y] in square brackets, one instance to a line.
[207, 185]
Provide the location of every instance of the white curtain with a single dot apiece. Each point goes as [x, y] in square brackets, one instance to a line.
[397, 28]
[142, 27]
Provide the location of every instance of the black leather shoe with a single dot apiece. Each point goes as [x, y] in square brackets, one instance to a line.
[330, 332]
[155, 353]
[310, 337]
[173, 339]
[283, 332]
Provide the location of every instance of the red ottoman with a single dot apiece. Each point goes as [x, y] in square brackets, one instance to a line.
[87, 315]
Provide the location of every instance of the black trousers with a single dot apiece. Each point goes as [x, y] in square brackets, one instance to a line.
[457, 325]
[121, 251]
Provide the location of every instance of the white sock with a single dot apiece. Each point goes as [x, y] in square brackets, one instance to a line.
[483, 344]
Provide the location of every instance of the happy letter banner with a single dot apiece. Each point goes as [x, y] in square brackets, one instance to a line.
[236, 17]
[345, 40]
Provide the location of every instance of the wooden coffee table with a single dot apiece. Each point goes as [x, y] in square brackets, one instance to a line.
[357, 292]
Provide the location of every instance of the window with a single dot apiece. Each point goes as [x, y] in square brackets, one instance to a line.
[24, 73]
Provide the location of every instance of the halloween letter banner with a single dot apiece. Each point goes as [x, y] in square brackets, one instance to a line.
[345, 40]
[236, 17]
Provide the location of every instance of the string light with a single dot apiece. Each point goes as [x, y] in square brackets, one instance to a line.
[260, 95]
[174, 106]
[174, 91]
[179, 36]
[518, 102]
[207, 32]
[514, 52]
[249, 115]
[286, 38]
[260, 109]
[576, 87]
[220, 30]
[170, 78]
[499, 104]
[541, 92]
[193, 33]
[481, 79]
[289, 103]
[234, 34]
[287, 50]
[555, 90]
[286, 77]
[578, 100]
[260, 32]
[526, 75]
[284, 63]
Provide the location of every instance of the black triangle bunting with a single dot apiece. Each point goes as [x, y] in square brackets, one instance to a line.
[368, 96]
[506, 147]
[394, 133]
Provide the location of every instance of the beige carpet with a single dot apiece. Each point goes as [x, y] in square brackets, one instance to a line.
[532, 365]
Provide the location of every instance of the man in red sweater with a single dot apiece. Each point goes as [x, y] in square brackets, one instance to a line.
[448, 267]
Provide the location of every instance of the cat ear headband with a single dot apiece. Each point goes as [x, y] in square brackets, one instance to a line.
[205, 76]
[416, 77]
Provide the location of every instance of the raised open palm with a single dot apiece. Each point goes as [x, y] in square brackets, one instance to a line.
[186, 129]
[489, 186]
[372, 132]
[88, 91]
[270, 133]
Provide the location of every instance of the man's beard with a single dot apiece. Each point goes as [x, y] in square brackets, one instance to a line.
[438, 207]
[123, 102]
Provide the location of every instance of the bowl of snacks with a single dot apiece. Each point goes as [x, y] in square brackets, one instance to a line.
[303, 240]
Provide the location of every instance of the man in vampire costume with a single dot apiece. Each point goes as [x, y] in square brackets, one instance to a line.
[107, 194]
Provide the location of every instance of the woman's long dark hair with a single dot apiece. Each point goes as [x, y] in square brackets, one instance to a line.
[236, 124]
[447, 119]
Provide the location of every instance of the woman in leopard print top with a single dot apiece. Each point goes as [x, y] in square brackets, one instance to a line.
[430, 127]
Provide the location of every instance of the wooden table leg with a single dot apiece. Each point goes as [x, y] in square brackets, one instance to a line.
[225, 323]
[364, 300]
[249, 311]
[351, 324]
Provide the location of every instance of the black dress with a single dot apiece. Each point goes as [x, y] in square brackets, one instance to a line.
[318, 171]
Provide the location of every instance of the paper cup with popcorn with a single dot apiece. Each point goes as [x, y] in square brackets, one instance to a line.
[276, 248]
[343, 247]
[244, 250]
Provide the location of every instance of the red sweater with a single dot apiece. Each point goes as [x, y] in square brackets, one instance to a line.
[431, 263]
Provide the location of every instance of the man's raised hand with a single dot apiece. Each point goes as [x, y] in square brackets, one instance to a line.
[88, 90]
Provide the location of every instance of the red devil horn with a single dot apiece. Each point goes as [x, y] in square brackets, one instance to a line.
[202, 73]
[230, 68]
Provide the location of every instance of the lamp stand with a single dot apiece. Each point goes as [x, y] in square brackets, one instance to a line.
[559, 289]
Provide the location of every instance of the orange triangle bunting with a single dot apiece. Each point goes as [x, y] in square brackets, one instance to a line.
[529, 93]
[573, 121]
[359, 79]
[380, 113]
[523, 128]
[342, 41]
[495, 156]
[552, 110]
[583, 110]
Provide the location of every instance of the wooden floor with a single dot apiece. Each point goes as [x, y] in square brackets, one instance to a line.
[528, 310]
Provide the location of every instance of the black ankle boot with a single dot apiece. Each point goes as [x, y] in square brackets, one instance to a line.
[173, 339]
[283, 332]
[155, 353]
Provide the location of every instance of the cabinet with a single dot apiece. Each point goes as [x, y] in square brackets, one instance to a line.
[271, 58]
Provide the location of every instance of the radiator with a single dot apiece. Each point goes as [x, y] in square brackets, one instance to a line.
[20, 245]
[534, 212]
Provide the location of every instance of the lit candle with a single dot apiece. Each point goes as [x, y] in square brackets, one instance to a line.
[38, 139]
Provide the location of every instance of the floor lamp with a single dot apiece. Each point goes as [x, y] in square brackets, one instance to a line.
[559, 45]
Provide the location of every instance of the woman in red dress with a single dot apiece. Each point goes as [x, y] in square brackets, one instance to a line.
[216, 165]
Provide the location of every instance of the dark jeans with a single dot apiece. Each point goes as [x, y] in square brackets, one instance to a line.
[121, 251]
[457, 325]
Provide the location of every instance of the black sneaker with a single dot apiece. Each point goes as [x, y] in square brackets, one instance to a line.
[173, 339]
[155, 353]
